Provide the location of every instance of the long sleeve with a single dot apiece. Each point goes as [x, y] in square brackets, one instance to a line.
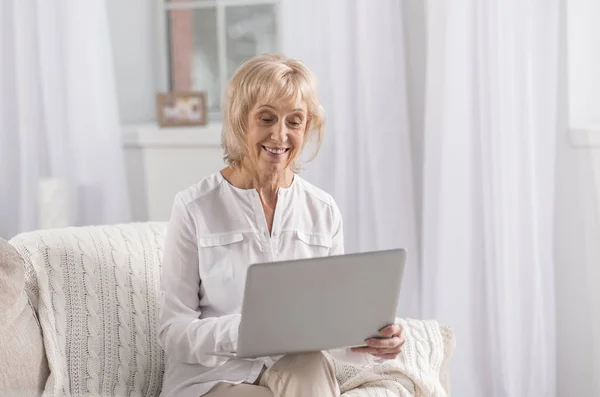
[182, 334]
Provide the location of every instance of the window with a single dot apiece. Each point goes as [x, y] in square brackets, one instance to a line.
[204, 41]
[583, 64]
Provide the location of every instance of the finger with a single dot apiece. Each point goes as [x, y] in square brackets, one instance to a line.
[375, 351]
[392, 350]
[384, 343]
[387, 331]
[391, 330]
[398, 330]
[367, 350]
[402, 339]
[399, 346]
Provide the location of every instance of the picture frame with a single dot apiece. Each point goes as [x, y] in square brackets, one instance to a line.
[176, 109]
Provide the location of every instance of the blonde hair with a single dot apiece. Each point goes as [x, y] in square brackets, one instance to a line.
[269, 78]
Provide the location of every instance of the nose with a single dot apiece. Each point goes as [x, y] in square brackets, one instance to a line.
[280, 132]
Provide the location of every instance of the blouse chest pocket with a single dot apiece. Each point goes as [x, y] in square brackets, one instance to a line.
[313, 244]
[218, 255]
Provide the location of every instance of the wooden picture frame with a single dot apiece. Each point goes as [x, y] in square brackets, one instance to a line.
[176, 109]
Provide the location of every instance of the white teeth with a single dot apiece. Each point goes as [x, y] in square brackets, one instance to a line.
[275, 151]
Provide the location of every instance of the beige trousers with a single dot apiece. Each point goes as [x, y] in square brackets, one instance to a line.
[294, 375]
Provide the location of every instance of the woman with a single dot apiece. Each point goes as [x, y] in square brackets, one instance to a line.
[255, 210]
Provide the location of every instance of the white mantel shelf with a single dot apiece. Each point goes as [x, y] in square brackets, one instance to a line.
[587, 136]
[151, 135]
[163, 161]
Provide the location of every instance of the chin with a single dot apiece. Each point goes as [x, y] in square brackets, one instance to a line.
[272, 167]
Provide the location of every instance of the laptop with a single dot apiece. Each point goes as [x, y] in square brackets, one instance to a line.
[318, 304]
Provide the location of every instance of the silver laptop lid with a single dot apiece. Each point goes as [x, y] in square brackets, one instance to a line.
[320, 303]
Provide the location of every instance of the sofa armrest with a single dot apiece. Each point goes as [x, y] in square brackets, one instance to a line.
[23, 365]
[449, 347]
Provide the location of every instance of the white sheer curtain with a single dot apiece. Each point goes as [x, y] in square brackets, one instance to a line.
[58, 112]
[356, 49]
[487, 239]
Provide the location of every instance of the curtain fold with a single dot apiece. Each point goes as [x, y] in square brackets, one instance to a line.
[58, 114]
[487, 238]
[357, 52]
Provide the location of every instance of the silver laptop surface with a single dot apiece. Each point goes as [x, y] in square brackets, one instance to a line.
[318, 304]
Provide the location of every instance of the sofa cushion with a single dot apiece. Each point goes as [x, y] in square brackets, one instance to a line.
[23, 365]
[97, 293]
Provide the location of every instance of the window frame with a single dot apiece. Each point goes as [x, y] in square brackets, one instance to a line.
[164, 7]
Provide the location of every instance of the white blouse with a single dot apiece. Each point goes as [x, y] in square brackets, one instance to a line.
[216, 231]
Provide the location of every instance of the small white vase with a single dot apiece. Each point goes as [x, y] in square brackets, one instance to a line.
[55, 204]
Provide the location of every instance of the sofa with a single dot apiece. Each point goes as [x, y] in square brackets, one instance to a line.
[78, 311]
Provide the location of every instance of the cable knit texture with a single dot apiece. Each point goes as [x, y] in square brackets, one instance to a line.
[96, 291]
[419, 371]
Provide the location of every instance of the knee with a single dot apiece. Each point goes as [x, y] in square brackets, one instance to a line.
[304, 359]
[305, 374]
[304, 364]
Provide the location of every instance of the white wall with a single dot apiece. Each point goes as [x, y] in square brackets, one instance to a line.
[577, 269]
[577, 251]
[583, 60]
[133, 36]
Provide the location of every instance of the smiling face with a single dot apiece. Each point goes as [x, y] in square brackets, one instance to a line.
[275, 134]
[271, 110]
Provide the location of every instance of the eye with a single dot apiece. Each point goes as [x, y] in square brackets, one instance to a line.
[266, 118]
[295, 123]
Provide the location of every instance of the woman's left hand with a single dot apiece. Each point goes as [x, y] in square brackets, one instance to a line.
[387, 348]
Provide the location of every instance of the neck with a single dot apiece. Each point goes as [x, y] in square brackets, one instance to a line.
[266, 183]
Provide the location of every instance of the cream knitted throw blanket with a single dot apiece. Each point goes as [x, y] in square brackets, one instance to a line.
[96, 289]
[419, 371]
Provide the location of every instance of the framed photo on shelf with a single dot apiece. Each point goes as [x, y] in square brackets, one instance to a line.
[180, 109]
